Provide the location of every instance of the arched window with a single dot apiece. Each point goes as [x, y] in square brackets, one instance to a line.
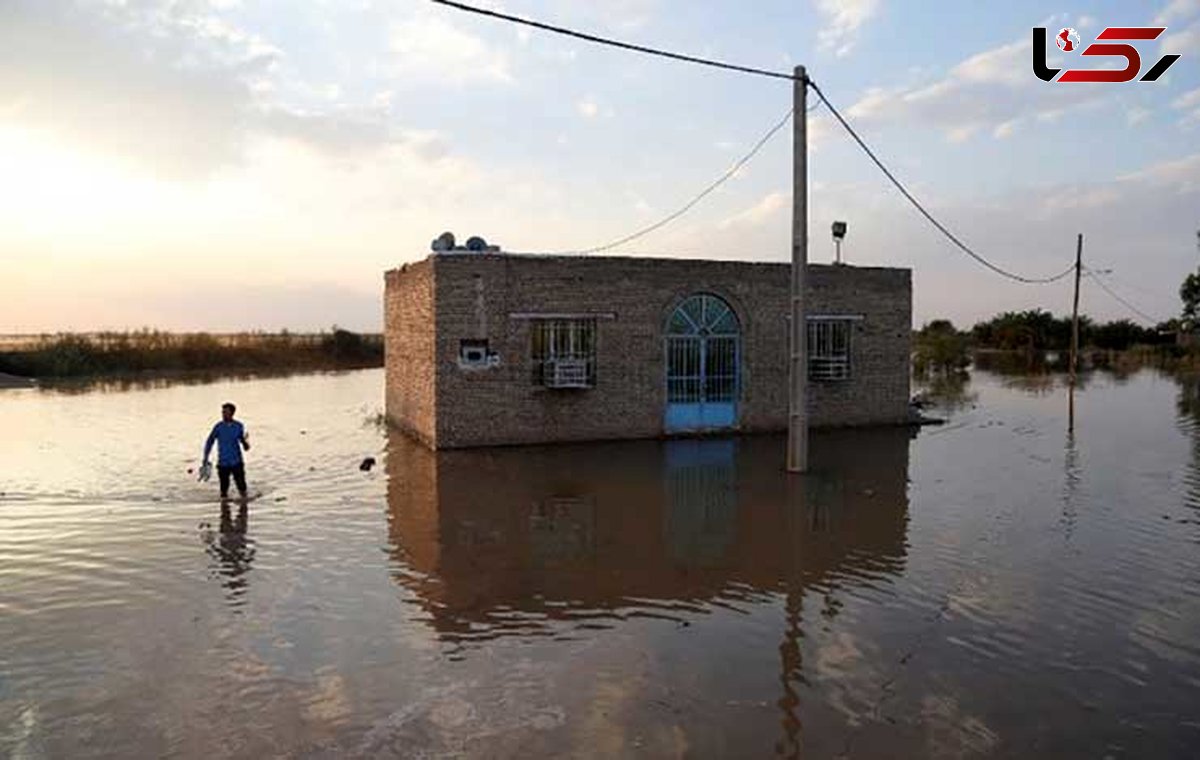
[703, 314]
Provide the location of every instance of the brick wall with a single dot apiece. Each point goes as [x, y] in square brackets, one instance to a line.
[410, 372]
[476, 294]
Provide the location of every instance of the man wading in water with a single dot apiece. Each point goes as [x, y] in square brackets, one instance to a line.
[230, 437]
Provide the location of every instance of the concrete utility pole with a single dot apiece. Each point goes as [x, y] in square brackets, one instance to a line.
[797, 449]
[1075, 310]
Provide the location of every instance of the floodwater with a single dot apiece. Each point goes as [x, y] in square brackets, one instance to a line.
[993, 587]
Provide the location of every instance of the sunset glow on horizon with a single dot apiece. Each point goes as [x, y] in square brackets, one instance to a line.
[226, 165]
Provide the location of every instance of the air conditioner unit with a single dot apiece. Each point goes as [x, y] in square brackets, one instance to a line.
[566, 373]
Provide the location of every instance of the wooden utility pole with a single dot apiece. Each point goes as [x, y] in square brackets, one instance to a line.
[797, 448]
[1075, 310]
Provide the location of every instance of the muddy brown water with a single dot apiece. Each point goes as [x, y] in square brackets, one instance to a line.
[994, 587]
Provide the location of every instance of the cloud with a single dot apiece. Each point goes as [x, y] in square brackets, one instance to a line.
[1082, 198]
[161, 85]
[759, 213]
[350, 135]
[266, 307]
[1137, 115]
[1181, 175]
[843, 20]
[204, 303]
[1006, 129]
[430, 47]
[989, 91]
[1184, 42]
[1177, 10]
[1189, 102]
[1142, 224]
[640, 204]
[624, 15]
[588, 108]
[181, 93]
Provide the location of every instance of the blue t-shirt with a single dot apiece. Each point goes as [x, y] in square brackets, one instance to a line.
[228, 437]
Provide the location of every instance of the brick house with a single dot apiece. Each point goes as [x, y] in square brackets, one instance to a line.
[488, 348]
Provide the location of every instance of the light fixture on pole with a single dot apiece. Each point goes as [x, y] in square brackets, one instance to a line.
[839, 232]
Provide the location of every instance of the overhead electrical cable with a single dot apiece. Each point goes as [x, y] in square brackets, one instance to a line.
[1096, 279]
[615, 43]
[759, 72]
[731, 172]
[928, 216]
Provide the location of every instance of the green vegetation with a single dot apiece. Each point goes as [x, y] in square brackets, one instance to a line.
[74, 355]
[1035, 341]
[1038, 330]
[940, 349]
[1189, 293]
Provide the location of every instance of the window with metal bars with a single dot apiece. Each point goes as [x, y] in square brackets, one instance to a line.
[829, 349]
[563, 353]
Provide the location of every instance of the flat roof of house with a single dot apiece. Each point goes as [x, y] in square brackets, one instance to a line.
[561, 257]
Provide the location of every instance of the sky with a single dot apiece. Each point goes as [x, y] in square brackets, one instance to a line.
[230, 164]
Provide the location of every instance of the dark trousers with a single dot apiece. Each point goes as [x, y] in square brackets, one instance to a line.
[238, 472]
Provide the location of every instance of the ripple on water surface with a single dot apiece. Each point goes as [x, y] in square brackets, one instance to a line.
[996, 586]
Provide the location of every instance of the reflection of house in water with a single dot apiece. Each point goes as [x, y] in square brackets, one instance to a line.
[1187, 405]
[700, 505]
[505, 541]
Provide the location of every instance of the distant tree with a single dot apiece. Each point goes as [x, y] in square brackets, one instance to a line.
[938, 327]
[940, 347]
[1120, 335]
[352, 347]
[1031, 330]
[1168, 328]
[343, 344]
[1086, 329]
[1189, 293]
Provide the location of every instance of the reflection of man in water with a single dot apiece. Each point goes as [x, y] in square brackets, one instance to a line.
[232, 550]
[230, 437]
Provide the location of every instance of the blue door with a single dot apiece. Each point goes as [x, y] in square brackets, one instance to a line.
[703, 351]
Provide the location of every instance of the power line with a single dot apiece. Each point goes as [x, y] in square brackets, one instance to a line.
[1126, 285]
[701, 196]
[760, 72]
[614, 43]
[1096, 279]
[928, 216]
